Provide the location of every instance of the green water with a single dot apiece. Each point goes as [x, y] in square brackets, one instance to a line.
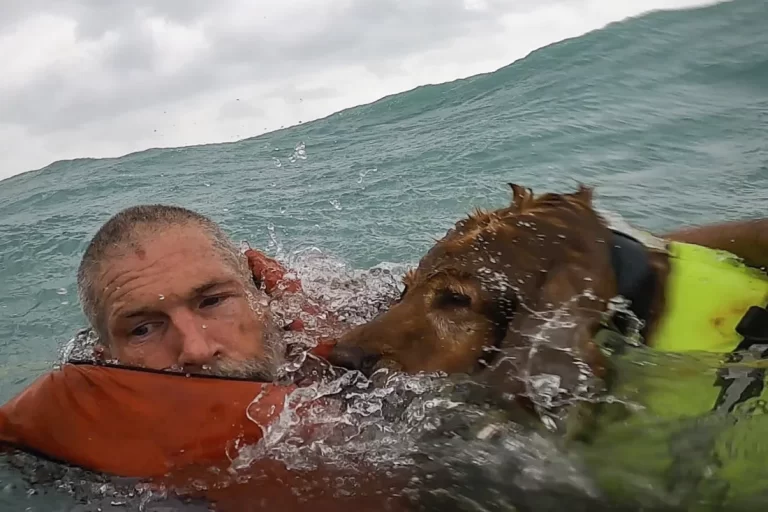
[666, 114]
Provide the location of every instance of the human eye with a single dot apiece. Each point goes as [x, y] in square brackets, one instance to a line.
[143, 331]
[212, 301]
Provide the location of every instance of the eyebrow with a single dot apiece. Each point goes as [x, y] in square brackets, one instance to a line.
[197, 291]
[212, 285]
[137, 312]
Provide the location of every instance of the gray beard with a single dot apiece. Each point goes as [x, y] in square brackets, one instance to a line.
[264, 369]
[258, 370]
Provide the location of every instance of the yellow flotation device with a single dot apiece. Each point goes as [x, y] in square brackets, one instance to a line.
[708, 293]
[686, 428]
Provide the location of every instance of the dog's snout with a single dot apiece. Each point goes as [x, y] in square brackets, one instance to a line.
[354, 358]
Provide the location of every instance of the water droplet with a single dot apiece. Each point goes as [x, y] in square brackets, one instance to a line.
[62, 291]
[299, 152]
[205, 326]
[161, 297]
[336, 204]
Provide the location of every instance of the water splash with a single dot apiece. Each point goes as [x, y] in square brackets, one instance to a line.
[80, 347]
[362, 174]
[354, 295]
[299, 153]
[423, 426]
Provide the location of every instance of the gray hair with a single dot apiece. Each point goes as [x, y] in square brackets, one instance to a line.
[122, 230]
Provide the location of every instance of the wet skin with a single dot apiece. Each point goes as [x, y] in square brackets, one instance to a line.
[171, 301]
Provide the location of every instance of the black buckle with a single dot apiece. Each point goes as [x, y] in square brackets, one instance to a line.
[753, 327]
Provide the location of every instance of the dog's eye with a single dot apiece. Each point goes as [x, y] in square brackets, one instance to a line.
[452, 299]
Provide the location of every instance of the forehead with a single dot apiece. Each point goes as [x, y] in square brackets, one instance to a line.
[149, 242]
[174, 257]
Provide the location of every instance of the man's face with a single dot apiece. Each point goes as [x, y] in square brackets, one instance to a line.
[172, 301]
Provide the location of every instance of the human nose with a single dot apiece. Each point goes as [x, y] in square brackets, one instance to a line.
[197, 347]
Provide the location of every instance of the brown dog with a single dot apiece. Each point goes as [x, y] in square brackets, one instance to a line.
[482, 295]
[520, 292]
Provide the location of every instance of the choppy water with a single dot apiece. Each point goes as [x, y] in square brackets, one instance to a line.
[666, 114]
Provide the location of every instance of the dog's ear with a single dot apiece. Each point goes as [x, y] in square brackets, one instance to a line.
[560, 323]
[584, 194]
[563, 296]
[520, 195]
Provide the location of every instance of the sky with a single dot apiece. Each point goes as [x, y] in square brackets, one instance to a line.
[103, 78]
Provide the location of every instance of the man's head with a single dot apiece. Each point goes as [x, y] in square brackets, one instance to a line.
[164, 287]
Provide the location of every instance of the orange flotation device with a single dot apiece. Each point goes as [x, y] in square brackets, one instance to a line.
[164, 427]
[137, 423]
[179, 433]
[269, 273]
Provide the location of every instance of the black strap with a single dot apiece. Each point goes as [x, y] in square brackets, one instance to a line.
[739, 384]
[635, 278]
[753, 327]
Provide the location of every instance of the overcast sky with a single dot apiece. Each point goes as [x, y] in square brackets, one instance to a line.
[98, 78]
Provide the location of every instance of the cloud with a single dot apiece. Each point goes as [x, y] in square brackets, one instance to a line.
[103, 78]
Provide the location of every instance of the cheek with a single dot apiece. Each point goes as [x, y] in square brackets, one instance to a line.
[235, 323]
[236, 310]
[460, 341]
[150, 355]
[462, 330]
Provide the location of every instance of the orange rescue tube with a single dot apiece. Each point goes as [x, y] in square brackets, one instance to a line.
[136, 423]
[179, 433]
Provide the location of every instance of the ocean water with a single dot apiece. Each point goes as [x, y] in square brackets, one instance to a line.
[665, 114]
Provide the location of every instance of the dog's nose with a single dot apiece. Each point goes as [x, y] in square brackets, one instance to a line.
[354, 358]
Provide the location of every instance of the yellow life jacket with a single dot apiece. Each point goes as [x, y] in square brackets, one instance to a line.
[708, 293]
[685, 423]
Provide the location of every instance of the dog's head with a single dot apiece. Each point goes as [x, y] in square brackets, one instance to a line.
[490, 285]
